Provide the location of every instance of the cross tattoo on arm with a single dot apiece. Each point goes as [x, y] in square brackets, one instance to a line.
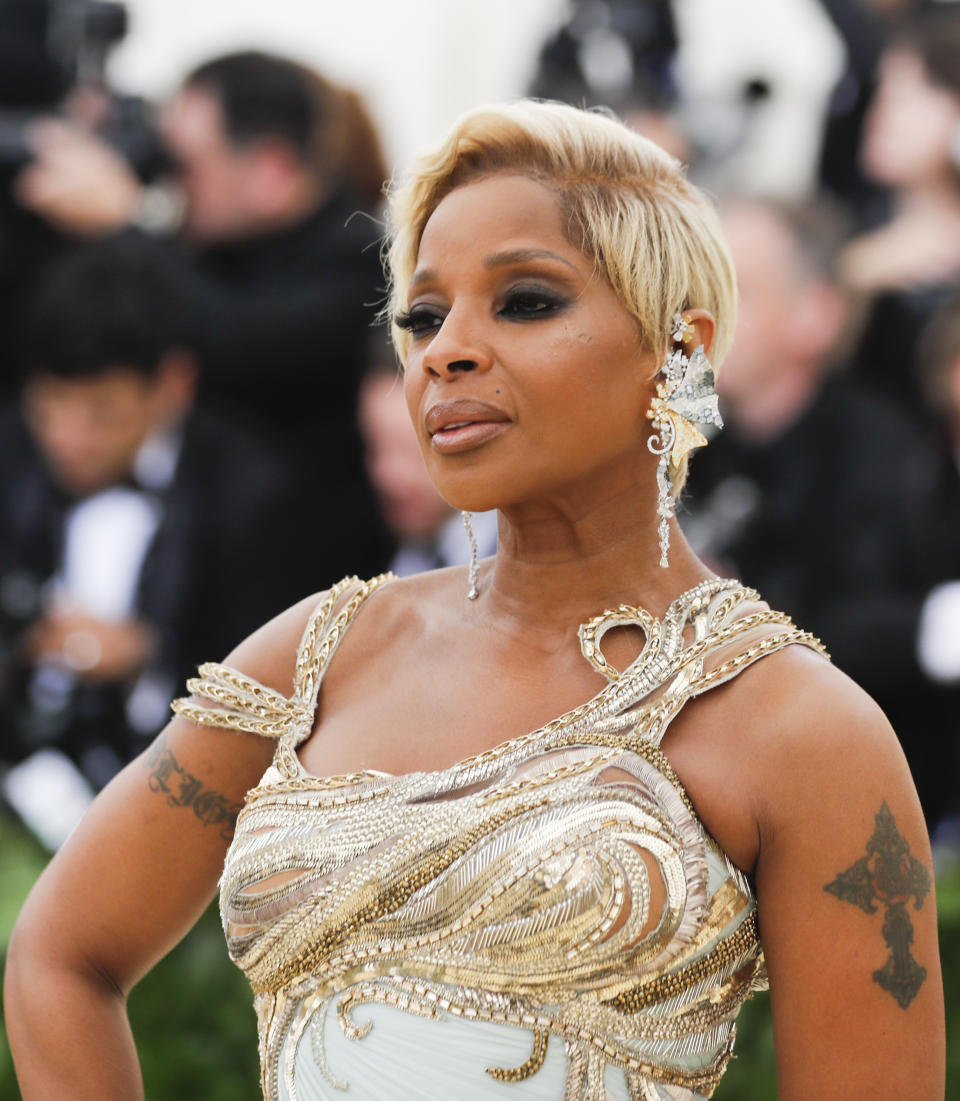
[889, 876]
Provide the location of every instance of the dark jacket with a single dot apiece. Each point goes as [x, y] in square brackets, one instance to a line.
[214, 571]
[281, 322]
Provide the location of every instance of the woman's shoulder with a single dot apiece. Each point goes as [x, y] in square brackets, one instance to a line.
[811, 697]
[269, 654]
[393, 617]
[814, 734]
[418, 598]
[399, 610]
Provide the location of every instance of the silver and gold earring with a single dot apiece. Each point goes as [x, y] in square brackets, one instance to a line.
[472, 592]
[685, 398]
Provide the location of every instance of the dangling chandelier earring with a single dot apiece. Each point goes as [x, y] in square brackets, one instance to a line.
[685, 397]
[473, 592]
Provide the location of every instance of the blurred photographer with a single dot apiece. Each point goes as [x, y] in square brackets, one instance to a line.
[274, 169]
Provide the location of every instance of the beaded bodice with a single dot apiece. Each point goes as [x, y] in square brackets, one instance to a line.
[560, 883]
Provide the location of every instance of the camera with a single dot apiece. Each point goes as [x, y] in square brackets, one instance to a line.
[49, 48]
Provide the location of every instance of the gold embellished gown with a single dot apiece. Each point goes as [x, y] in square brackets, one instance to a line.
[489, 930]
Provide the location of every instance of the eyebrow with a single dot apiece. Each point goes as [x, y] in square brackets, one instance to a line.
[522, 255]
[502, 259]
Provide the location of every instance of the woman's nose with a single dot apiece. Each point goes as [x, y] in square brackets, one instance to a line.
[455, 350]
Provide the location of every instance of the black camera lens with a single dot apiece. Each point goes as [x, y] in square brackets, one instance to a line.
[103, 21]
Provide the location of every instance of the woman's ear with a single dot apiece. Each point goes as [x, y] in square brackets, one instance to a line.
[703, 329]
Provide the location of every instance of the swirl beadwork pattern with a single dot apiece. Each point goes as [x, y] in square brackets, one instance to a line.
[560, 883]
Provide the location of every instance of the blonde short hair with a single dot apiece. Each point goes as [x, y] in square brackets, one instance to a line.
[653, 235]
[629, 207]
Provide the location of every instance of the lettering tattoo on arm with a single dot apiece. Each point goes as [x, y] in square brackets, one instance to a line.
[169, 778]
[889, 876]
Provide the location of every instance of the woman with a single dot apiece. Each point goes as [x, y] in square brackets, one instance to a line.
[908, 267]
[426, 897]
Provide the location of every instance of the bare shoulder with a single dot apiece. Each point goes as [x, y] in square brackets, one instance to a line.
[389, 627]
[205, 765]
[269, 654]
[807, 690]
[813, 734]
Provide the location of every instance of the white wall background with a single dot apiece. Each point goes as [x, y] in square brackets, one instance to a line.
[418, 62]
[790, 44]
[421, 62]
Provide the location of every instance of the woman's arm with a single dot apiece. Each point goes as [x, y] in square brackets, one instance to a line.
[846, 900]
[125, 888]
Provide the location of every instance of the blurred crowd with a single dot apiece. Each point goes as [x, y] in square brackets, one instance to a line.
[200, 419]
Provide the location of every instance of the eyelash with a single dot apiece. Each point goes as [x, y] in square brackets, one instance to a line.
[520, 304]
[417, 321]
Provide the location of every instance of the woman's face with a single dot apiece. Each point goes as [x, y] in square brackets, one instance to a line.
[912, 125]
[525, 378]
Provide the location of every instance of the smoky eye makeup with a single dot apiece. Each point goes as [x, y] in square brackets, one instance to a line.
[532, 302]
[521, 302]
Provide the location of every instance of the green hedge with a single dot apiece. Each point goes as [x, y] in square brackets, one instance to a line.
[196, 1031]
[192, 1015]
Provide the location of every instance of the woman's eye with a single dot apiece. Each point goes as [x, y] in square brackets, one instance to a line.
[525, 305]
[419, 320]
[520, 304]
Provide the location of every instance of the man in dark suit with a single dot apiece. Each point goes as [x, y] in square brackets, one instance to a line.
[138, 535]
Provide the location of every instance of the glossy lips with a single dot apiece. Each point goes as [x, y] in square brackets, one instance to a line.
[463, 423]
